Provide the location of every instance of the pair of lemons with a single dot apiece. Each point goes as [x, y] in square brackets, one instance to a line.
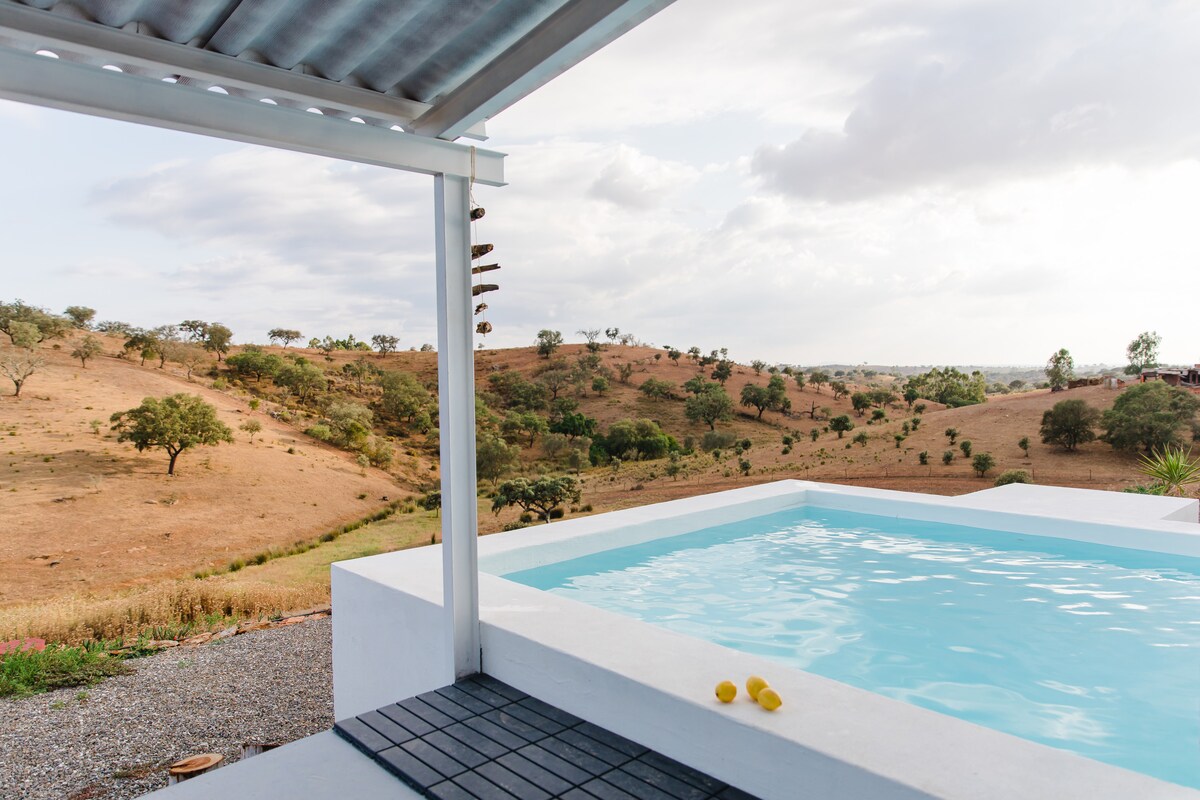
[758, 689]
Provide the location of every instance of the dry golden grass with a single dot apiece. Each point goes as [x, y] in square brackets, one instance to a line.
[277, 586]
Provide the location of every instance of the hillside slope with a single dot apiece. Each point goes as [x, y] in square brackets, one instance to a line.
[83, 513]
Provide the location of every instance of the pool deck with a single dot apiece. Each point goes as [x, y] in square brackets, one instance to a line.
[1082, 504]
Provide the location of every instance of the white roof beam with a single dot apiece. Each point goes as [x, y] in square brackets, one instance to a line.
[566, 37]
[33, 29]
[56, 83]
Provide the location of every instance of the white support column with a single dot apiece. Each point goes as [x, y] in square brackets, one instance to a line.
[456, 401]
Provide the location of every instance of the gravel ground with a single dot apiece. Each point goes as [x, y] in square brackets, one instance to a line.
[116, 740]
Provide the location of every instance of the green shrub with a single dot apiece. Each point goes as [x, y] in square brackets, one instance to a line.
[923, 457]
[320, 432]
[982, 463]
[965, 446]
[28, 672]
[717, 440]
[947, 456]
[1013, 476]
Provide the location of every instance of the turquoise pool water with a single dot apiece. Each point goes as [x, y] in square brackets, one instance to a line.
[1089, 648]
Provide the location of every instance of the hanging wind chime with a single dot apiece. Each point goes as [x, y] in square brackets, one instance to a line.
[483, 327]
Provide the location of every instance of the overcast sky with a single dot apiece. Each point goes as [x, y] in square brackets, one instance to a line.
[797, 180]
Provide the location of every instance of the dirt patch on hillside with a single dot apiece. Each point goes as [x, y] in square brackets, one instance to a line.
[84, 514]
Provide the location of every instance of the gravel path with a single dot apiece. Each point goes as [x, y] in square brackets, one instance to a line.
[116, 741]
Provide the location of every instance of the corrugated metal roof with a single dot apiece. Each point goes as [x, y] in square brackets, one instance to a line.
[444, 65]
[415, 49]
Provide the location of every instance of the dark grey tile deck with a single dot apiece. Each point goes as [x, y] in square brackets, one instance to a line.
[481, 739]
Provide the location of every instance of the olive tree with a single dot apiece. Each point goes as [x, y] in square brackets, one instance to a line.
[548, 341]
[1069, 424]
[44, 324]
[21, 362]
[982, 463]
[302, 377]
[251, 427]
[540, 496]
[88, 347]
[81, 316]
[173, 424]
[217, 339]
[494, 457]
[710, 405]
[284, 336]
[384, 343]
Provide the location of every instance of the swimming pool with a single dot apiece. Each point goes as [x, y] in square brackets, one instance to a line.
[1080, 646]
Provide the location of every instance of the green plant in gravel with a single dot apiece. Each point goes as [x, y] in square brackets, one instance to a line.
[31, 672]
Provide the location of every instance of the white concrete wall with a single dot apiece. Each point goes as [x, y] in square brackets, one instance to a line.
[390, 634]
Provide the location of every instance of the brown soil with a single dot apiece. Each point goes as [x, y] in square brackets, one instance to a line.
[83, 513]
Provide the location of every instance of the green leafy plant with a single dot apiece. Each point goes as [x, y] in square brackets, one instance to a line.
[1171, 468]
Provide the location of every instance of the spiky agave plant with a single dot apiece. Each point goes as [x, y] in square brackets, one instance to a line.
[1171, 468]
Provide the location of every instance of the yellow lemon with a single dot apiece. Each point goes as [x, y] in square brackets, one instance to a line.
[754, 685]
[769, 699]
[726, 691]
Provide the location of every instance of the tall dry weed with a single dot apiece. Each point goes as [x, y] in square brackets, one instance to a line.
[76, 619]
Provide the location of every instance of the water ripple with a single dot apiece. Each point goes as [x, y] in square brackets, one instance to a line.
[1077, 646]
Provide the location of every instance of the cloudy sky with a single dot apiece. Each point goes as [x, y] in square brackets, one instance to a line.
[938, 181]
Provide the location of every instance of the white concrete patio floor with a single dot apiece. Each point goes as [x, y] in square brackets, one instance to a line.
[320, 767]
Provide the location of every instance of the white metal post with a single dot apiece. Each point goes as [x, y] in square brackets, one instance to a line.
[456, 401]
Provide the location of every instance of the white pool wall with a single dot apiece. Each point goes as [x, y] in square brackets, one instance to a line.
[655, 686]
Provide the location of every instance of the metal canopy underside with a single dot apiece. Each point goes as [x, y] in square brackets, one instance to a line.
[435, 67]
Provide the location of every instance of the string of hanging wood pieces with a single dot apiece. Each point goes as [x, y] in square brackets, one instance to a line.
[483, 327]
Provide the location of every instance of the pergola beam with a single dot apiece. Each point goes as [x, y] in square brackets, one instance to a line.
[32, 29]
[55, 83]
[566, 37]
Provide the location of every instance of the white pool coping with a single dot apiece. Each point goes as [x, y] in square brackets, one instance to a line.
[655, 686]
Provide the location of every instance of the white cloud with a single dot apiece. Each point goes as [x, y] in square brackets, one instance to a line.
[990, 88]
[960, 182]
